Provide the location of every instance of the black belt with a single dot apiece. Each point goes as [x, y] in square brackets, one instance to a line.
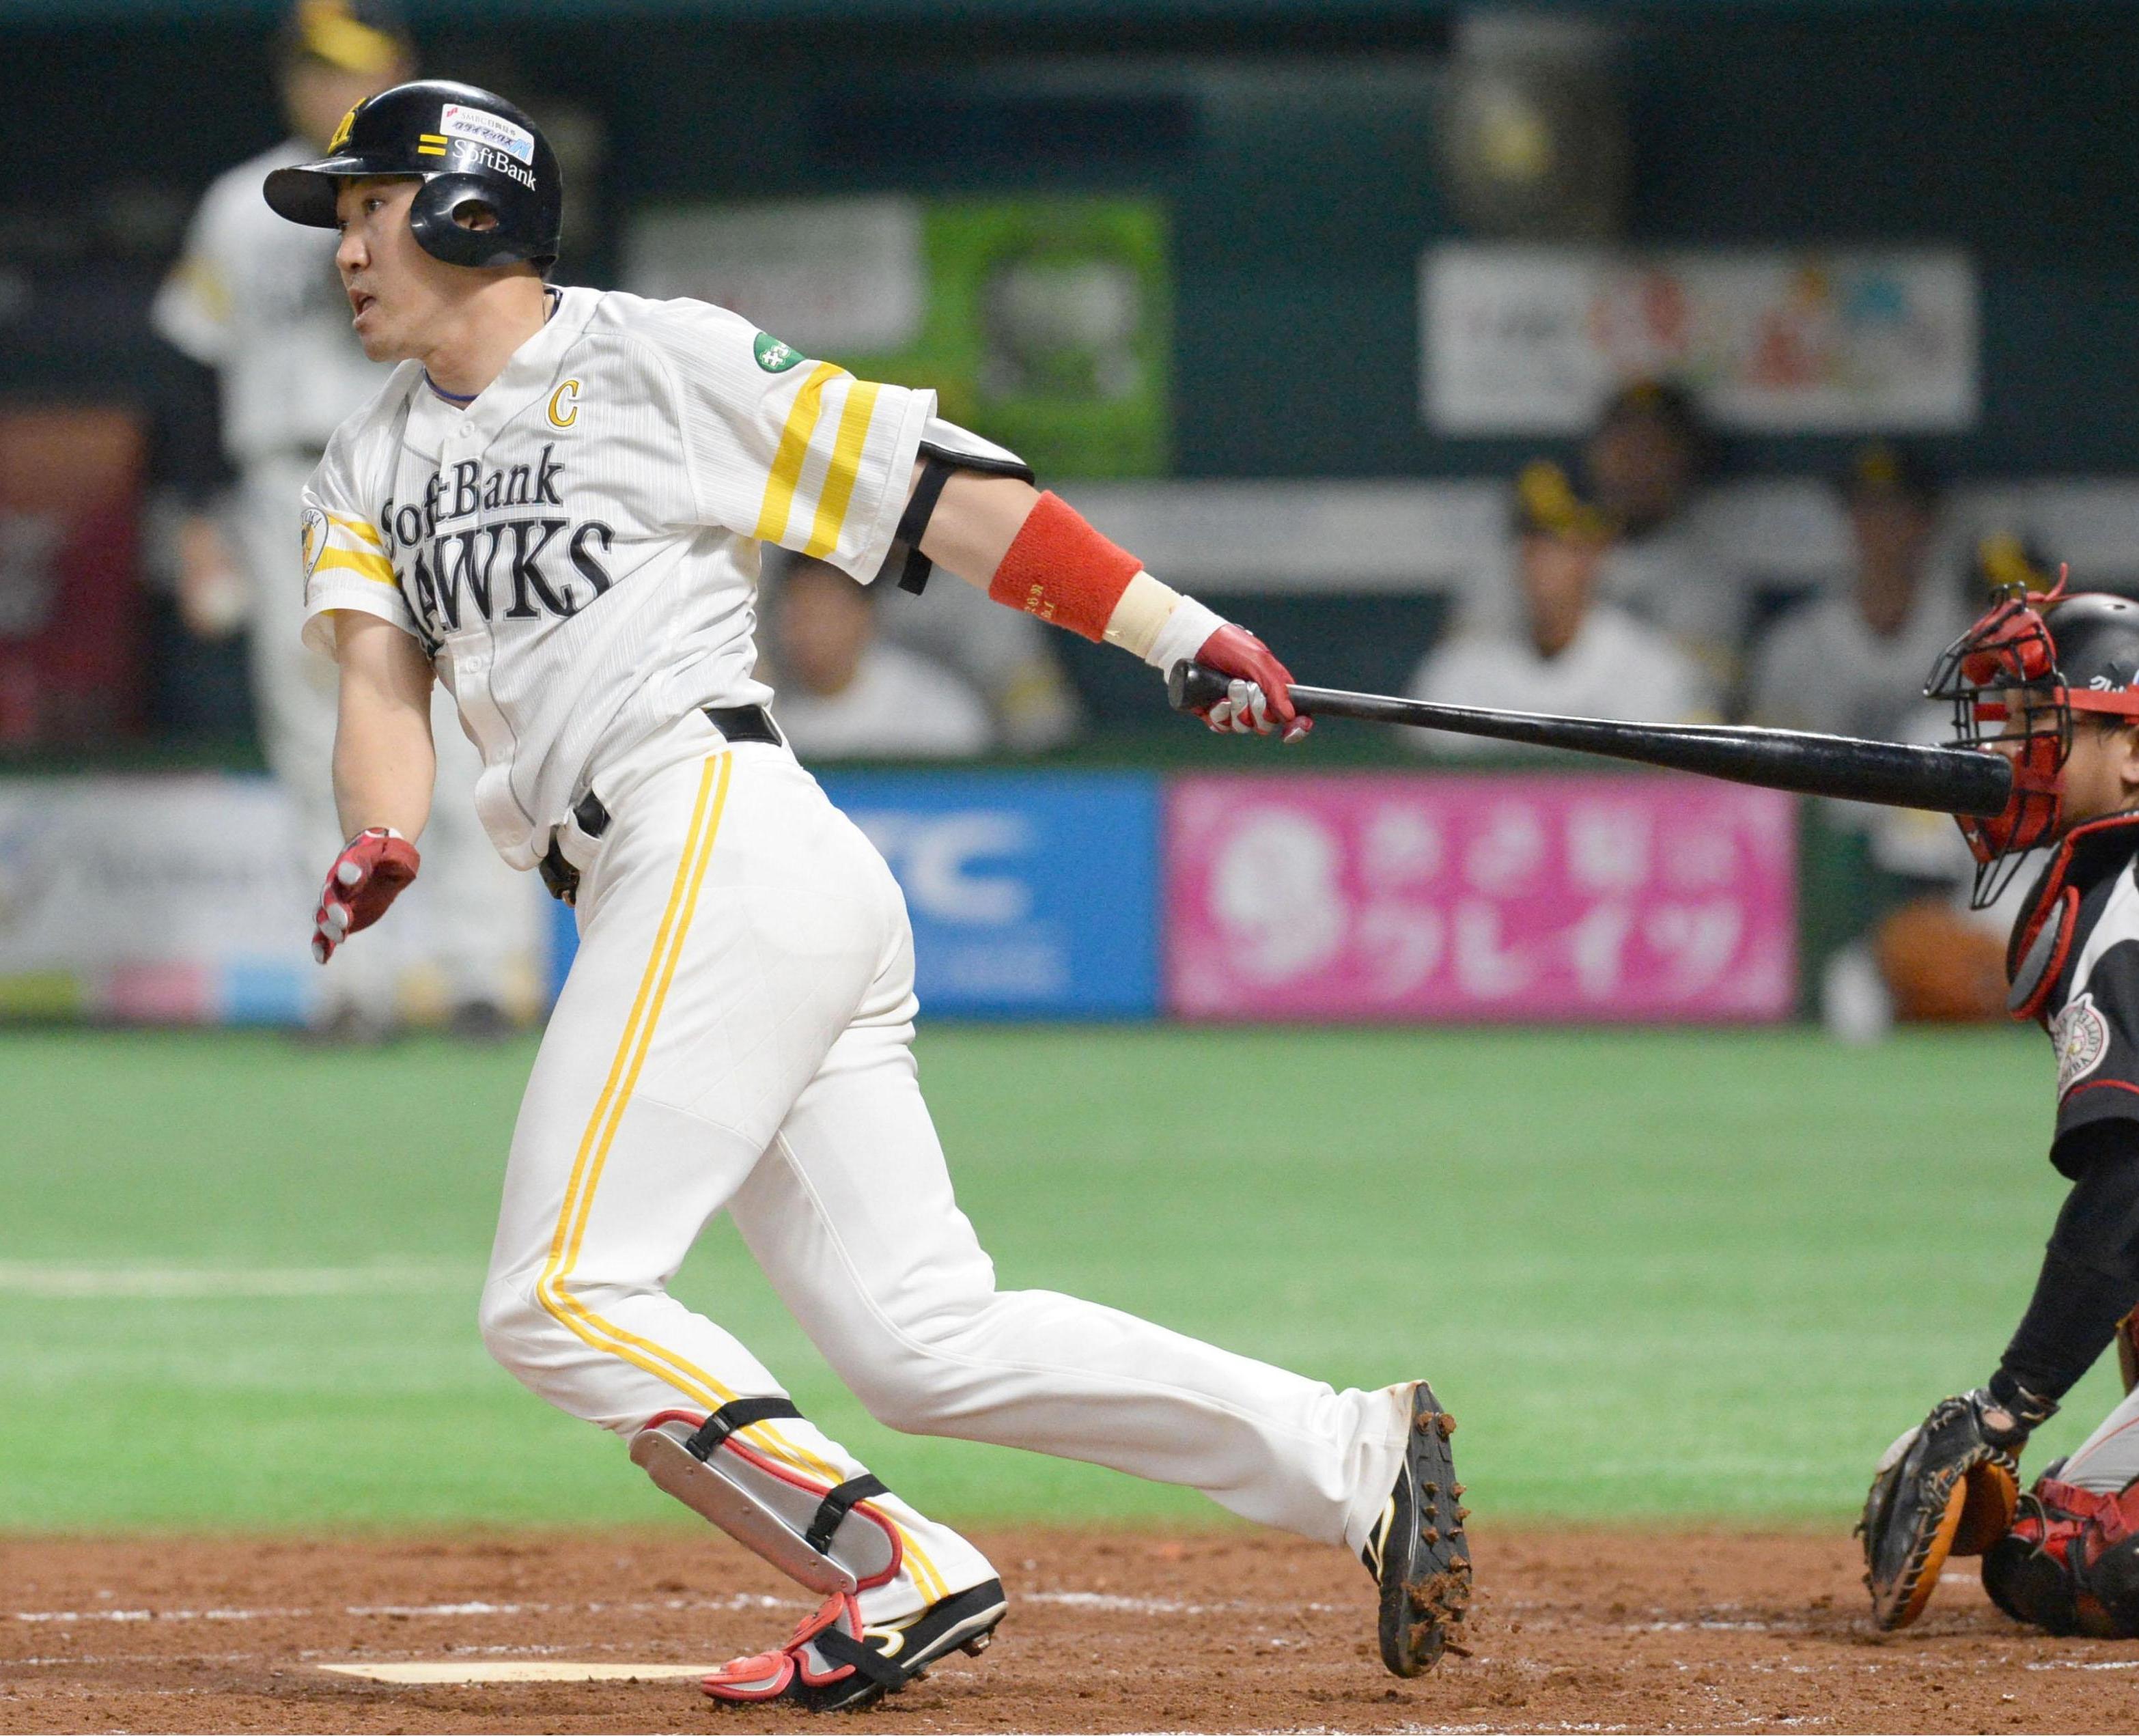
[737, 722]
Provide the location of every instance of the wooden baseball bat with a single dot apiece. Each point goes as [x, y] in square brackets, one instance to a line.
[1895, 773]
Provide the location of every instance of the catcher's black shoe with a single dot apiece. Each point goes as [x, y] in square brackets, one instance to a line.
[1417, 1553]
[831, 1662]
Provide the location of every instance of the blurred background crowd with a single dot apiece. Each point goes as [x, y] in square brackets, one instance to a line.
[1693, 361]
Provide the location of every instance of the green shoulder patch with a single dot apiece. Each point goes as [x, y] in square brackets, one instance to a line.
[774, 356]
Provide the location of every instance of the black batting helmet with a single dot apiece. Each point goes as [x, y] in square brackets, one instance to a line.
[2033, 661]
[466, 146]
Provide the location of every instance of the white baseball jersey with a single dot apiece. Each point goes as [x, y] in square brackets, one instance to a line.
[899, 705]
[257, 299]
[1618, 666]
[578, 549]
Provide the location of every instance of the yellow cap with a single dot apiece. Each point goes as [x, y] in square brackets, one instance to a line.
[329, 31]
[2007, 562]
[1546, 504]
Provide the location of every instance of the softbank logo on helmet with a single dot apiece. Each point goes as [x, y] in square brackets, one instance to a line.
[457, 120]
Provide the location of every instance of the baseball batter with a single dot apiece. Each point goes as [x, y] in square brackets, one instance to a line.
[2057, 678]
[556, 506]
[256, 301]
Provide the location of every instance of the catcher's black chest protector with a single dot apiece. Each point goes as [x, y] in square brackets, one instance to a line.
[2085, 863]
[2073, 963]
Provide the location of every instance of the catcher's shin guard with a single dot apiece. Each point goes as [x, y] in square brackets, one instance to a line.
[831, 1662]
[2070, 1564]
[826, 1537]
[1418, 1553]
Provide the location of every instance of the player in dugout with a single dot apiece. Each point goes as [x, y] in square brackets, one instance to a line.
[1570, 653]
[2051, 680]
[255, 305]
[556, 505]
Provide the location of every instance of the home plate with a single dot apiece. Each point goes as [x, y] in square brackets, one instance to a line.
[518, 1669]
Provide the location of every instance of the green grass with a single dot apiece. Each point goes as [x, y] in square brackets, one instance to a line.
[1677, 1274]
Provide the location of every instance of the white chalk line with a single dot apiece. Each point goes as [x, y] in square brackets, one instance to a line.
[739, 1601]
[1102, 1602]
[1108, 1603]
[136, 1283]
[309, 1655]
[2083, 1663]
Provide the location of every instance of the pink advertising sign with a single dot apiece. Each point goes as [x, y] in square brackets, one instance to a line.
[1476, 898]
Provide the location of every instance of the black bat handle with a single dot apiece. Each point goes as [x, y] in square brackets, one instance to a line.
[1191, 687]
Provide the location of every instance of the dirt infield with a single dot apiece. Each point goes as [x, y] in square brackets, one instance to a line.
[1228, 1631]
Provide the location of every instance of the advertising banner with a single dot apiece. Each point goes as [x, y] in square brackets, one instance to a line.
[1469, 898]
[180, 899]
[1529, 339]
[154, 899]
[1033, 895]
[70, 500]
[1045, 324]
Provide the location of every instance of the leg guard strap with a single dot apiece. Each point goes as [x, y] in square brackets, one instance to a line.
[835, 1507]
[737, 1413]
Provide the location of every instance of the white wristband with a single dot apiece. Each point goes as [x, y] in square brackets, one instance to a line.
[1183, 634]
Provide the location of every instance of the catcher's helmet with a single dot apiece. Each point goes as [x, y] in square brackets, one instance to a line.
[2034, 660]
[466, 146]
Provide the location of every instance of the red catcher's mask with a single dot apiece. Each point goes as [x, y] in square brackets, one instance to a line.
[2003, 672]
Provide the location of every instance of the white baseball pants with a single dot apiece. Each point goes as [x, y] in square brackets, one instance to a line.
[2108, 1459]
[736, 1032]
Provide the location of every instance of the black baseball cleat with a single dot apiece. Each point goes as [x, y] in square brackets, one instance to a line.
[1417, 1553]
[831, 1662]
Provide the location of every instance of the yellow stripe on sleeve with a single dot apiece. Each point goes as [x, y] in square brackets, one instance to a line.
[794, 448]
[357, 528]
[838, 489]
[377, 568]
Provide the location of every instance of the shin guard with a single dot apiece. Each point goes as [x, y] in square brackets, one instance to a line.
[824, 1535]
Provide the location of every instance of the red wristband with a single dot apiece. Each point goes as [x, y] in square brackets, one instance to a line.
[1063, 570]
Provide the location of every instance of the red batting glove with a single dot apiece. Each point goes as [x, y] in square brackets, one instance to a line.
[1259, 699]
[366, 878]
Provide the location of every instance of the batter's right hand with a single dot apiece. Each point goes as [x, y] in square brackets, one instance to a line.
[366, 878]
[1259, 699]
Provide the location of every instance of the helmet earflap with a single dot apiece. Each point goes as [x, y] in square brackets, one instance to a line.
[434, 216]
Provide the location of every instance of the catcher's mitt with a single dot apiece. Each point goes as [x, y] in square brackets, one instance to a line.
[1947, 1487]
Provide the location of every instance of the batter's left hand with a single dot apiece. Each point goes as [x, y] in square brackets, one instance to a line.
[366, 878]
[1259, 698]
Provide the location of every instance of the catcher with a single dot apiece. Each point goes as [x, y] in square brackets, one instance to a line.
[2052, 681]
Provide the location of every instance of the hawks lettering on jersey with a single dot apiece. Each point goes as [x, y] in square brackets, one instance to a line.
[456, 577]
[577, 548]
